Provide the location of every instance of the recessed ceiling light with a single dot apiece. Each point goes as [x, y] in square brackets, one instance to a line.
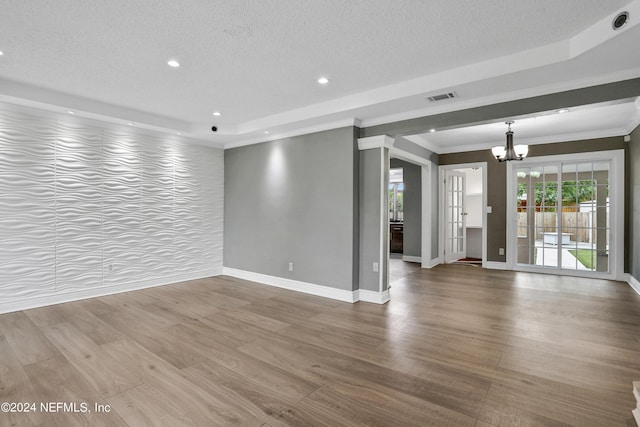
[266, 132]
[71, 112]
[432, 130]
[173, 63]
[323, 80]
[1, 53]
[130, 123]
[178, 133]
[562, 111]
[217, 113]
[620, 20]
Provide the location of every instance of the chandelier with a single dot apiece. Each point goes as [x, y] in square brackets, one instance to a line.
[510, 152]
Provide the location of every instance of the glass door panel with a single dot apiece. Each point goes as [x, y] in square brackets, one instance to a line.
[455, 217]
[563, 216]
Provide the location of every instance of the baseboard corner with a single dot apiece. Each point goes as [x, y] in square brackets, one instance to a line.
[495, 265]
[374, 297]
[432, 263]
[634, 283]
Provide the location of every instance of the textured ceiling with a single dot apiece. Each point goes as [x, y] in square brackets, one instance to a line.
[256, 60]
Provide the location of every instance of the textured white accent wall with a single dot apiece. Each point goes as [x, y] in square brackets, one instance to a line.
[88, 209]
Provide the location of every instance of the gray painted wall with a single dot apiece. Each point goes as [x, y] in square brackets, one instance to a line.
[294, 200]
[496, 183]
[412, 177]
[633, 203]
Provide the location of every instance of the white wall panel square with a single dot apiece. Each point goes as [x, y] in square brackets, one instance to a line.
[78, 207]
[157, 227]
[27, 207]
[188, 209]
[121, 208]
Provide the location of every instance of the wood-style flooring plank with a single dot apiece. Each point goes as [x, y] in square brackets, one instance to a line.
[257, 399]
[343, 408]
[154, 337]
[56, 380]
[46, 316]
[102, 372]
[499, 414]
[406, 409]
[547, 407]
[146, 406]
[203, 407]
[15, 386]
[247, 316]
[89, 323]
[257, 374]
[27, 340]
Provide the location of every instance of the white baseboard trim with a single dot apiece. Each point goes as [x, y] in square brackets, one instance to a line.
[433, 263]
[373, 296]
[293, 285]
[75, 295]
[634, 283]
[494, 265]
[409, 258]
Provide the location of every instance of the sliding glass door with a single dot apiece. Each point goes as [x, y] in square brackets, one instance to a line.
[563, 216]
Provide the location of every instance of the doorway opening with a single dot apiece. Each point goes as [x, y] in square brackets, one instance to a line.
[405, 218]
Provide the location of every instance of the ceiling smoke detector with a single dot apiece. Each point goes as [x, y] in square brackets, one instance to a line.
[620, 20]
[442, 96]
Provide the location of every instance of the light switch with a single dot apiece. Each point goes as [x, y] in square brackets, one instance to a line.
[489, 209]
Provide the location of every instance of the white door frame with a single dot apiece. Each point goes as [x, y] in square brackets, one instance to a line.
[442, 206]
[616, 211]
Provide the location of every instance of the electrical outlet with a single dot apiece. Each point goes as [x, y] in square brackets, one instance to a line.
[110, 267]
[489, 209]
[375, 267]
[501, 251]
[290, 266]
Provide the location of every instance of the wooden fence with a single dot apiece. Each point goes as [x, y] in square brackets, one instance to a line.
[582, 225]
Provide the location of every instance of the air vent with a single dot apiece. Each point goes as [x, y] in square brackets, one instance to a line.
[442, 96]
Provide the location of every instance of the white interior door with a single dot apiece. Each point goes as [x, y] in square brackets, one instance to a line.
[455, 217]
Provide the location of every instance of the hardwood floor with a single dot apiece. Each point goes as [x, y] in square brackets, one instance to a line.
[455, 346]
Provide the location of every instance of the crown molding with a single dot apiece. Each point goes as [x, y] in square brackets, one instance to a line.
[296, 132]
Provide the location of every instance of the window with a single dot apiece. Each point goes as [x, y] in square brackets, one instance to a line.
[396, 195]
